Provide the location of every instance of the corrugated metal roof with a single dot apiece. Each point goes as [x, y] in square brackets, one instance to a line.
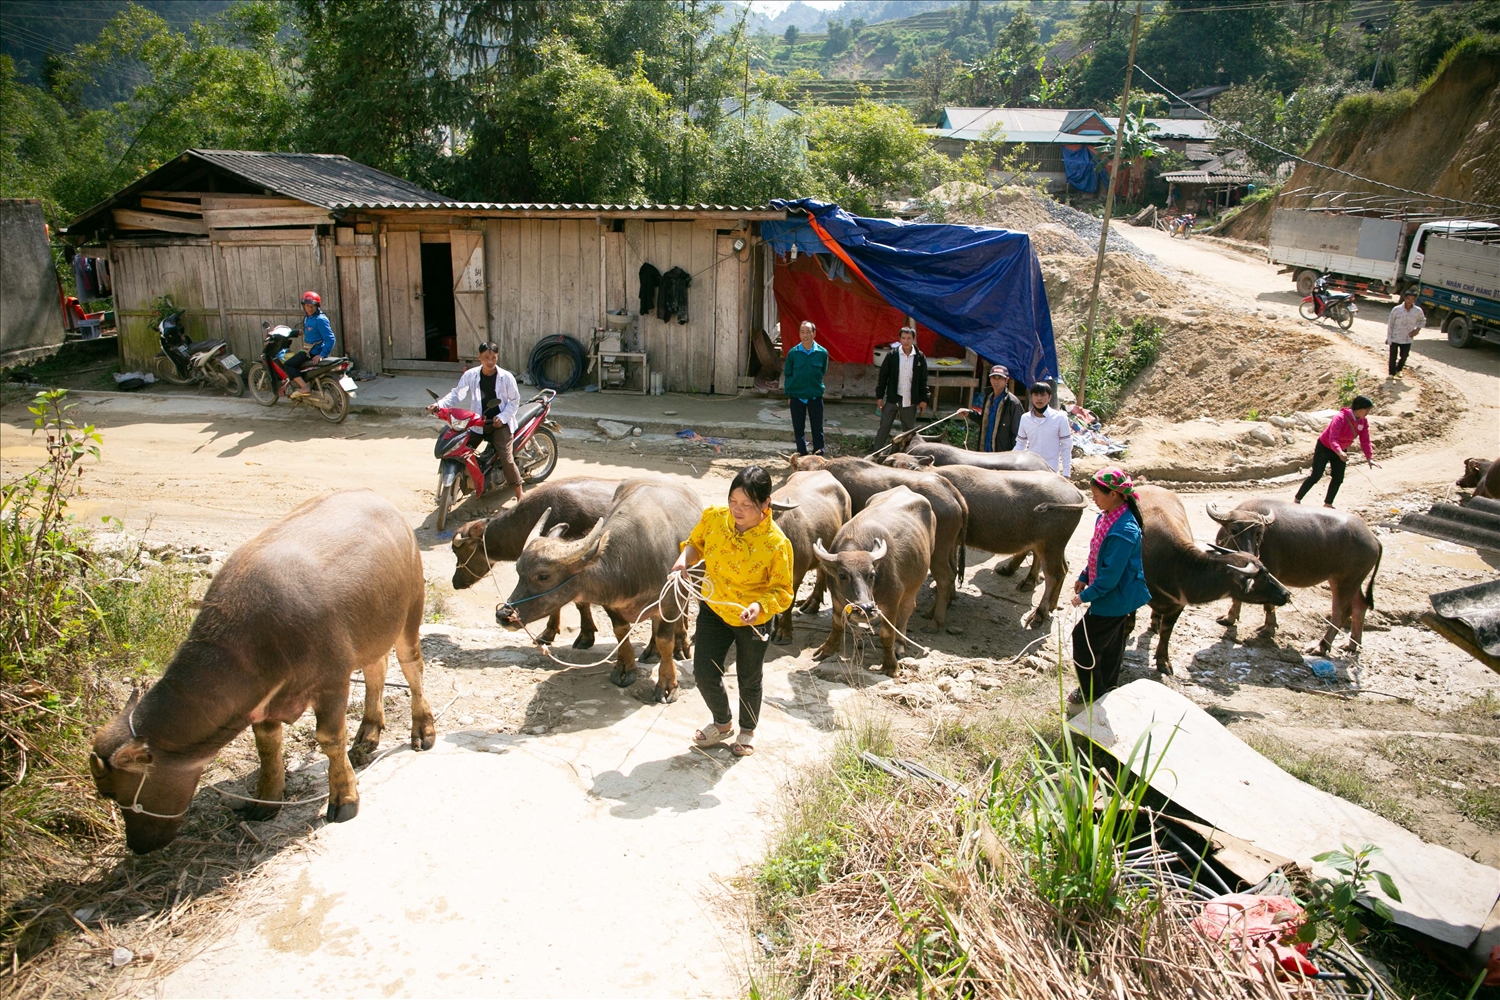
[518, 206]
[1030, 138]
[321, 179]
[1218, 177]
[1177, 128]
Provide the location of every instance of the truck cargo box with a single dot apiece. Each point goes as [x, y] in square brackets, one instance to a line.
[1337, 244]
[1464, 266]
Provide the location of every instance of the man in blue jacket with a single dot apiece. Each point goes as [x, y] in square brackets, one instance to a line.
[1113, 585]
[806, 364]
[317, 338]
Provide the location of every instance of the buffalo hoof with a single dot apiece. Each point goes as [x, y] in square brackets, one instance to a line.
[1027, 584]
[649, 655]
[889, 669]
[781, 640]
[931, 626]
[585, 640]
[547, 638]
[809, 608]
[622, 678]
[1006, 570]
[423, 741]
[664, 697]
[257, 813]
[682, 651]
[1228, 622]
[824, 652]
[342, 813]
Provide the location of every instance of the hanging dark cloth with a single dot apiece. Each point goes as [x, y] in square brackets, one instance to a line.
[650, 279]
[674, 295]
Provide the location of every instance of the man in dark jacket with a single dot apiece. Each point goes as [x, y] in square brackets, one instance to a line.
[901, 389]
[1000, 413]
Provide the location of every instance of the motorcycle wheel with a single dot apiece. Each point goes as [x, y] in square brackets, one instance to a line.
[162, 368]
[539, 457]
[446, 489]
[335, 399]
[1308, 311]
[262, 386]
[1341, 315]
[229, 380]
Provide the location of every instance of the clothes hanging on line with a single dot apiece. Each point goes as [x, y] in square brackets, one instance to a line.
[650, 281]
[673, 299]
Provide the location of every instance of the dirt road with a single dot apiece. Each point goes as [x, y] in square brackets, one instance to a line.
[563, 839]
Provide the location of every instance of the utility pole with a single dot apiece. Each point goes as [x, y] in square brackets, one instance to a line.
[1109, 207]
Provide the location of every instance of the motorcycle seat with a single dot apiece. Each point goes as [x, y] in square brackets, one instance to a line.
[199, 346]
[527, 412]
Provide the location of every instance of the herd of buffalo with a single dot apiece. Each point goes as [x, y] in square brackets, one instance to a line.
[331, 588]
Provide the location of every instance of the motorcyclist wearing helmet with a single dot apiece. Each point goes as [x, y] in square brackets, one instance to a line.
[317, 337]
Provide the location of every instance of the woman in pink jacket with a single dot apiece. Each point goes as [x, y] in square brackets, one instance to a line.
[1333, 447]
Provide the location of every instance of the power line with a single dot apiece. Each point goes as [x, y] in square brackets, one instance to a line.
[1314, 163]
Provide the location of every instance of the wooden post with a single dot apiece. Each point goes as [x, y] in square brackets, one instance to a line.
[1109, 205]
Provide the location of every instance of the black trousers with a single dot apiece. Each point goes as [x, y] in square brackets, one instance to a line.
[1325, 457]
[713, 639]
[1099, 650]
[1398, 358]
[801, 411]
[888, 414]
[295, 363]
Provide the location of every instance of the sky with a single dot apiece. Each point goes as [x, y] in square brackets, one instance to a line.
[771, 8]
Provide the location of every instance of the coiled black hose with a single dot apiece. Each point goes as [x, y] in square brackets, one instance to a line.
[550, 347]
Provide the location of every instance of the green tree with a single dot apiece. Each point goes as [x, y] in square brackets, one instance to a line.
[378, 84]
[791, 34]
[38, 143]
[839, 37]
[1289, 123]
[755, 161]
[867, 153]
[1192, 43]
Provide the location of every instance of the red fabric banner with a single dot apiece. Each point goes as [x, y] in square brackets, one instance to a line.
[852, 320]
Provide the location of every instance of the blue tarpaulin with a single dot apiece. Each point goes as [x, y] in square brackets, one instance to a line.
[977, 286]
[1078, 164]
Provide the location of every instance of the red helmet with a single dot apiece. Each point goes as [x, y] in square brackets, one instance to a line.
[312, 297]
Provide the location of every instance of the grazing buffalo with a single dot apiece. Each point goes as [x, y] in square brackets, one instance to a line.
[810, 508]
[1482, 477]
[1303, 547]
[1181, 570]
[922, 454]
[576, 504]
[622, 564]
[1021, 512]
[865, 479]
[876, 567]
[327, 590]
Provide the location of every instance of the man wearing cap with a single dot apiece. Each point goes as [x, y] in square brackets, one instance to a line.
[999, 413]
[491, 390]
[901, 388]
[1046, 431]
[1404, 323]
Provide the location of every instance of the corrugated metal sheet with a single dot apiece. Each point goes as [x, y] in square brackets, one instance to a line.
[517, 206]
[1478, 607]
[1217, 177]
[1477, 523]
[321, 179]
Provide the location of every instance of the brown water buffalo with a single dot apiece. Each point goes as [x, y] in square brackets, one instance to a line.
[1482, 477]
[1021, 512]
[1180, 570]
[621, 564]
[922, 454]
[877, 565]
[576, 505]
[865, 479]
[1303, 547]
[810, 507]
[325, 591]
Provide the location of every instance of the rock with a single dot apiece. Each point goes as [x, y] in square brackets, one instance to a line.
[1282, 422]
[1262, 436]
[1240, 367]
[961, 691]
[120, 957]
[945, 684]
[1141, 295]
[635, 432]
[1198, 366]
[965, 675]
[1193, 311]
[84, 914]
[466, 720]
[537, 730]
[1065, 395]
[1237, 459]
[988, 683]
[613, 429]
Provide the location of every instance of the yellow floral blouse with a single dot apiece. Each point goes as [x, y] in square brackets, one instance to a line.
[755, 565]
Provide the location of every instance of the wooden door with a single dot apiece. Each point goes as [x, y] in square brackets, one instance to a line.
[407, 335]
[470, 320]
[731, 341]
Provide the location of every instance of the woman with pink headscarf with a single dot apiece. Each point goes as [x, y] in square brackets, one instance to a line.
[1113, 585]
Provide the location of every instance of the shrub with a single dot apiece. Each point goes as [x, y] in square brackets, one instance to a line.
[1119, 354]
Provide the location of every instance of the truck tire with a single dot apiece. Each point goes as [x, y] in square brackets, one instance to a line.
[1305, 279]
[1460, 334]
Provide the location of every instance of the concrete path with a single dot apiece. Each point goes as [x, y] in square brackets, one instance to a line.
[587, 862]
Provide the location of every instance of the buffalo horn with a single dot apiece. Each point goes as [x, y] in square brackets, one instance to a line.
[536, 529]
[878, 552]
[821, 552]
[1213, 512]
[1247, 570]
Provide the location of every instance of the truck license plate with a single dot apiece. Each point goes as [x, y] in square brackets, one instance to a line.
[347, 383]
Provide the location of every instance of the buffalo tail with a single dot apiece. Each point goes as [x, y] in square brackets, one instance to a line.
[1370, 587]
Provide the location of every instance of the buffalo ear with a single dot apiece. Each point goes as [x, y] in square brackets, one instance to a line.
[597, 541]
[133, 756]
[924, 461]
[474, 529]
[97, 767]
[557, 530]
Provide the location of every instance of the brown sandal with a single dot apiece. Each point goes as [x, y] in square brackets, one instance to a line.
[743, 747]
[711, 735]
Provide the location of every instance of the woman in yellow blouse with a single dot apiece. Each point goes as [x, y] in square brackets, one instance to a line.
[748, 564]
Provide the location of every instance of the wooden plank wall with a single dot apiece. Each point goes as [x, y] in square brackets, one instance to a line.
[142, 272]
[543, 279]
[401, 267]
[683, 353]
[264, 282]
[359, 296]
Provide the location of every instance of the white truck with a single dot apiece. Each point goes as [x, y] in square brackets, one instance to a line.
[1366, 256]
[1460, 288]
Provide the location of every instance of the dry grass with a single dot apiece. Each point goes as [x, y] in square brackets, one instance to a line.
[883, 887]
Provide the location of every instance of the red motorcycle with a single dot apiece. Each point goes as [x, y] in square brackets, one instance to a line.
[465, 467]
[1337, 306]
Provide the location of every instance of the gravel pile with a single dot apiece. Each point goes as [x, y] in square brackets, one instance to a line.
[1087, 228]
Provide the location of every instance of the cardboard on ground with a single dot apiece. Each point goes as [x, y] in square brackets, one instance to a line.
[1218, 778]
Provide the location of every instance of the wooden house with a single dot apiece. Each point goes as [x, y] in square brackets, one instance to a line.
[414, 281]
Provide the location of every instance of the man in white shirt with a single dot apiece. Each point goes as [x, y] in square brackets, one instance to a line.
[901, 388]
[1046, 432]
[490, 390]
[1405, 322]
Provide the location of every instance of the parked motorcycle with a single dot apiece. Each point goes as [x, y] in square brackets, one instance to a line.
[183, 361]
[330, 389]
[1182, 226]
[466, 467]
[1337, 306]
